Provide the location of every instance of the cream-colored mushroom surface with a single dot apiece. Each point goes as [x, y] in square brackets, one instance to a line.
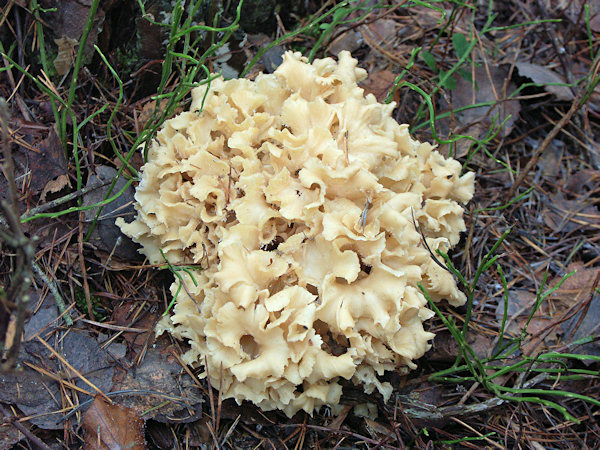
[297, 195]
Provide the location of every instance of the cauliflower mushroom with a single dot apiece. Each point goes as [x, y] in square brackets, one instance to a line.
[298, 194]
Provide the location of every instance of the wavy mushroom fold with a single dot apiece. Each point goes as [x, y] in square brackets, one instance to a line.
[306, 204]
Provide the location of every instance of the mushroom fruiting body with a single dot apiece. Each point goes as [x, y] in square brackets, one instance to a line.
[298, 194]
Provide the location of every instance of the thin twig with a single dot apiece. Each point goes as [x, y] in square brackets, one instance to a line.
[28, 434]
[20, 280]
[62, 200]
[54, 291]
[418, 228]
[86, 287]
[114, 327]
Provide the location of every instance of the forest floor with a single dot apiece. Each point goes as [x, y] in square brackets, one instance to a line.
[509, 88]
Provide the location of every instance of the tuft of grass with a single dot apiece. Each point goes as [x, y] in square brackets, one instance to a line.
[468, 367]
[181, 285]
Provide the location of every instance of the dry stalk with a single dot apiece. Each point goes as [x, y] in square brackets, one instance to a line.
[15, 297]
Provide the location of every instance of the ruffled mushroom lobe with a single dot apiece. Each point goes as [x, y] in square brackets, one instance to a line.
[299, 196]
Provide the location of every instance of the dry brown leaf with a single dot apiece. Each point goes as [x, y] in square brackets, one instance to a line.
[570, 296]
[350, 40]
[379, 431]
[383, 32]
[160, 373]
[54, 186]
[379, 84]
[446, 349]
[122, 316]
[48, 164]
[583, 180]
[112, 427]
[477, 121]
[520, 303]
[577, 287]
[148, 110]
[105, 236]
[66, 54]
[582, 325]
[339, 420]
[550, 161]
[547, 77]
[68, 18]
[488, 87]
[34, 393]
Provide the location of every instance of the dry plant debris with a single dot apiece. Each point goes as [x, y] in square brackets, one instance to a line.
[525, 379]
[109, 426]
